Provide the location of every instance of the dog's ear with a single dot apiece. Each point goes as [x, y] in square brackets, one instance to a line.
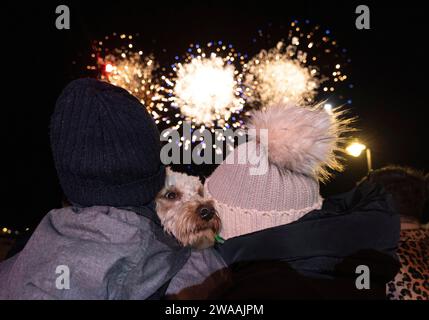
[170, 178]
[168, 171]
[170, 181]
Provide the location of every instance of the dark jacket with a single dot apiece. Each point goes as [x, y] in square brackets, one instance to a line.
[316, 256]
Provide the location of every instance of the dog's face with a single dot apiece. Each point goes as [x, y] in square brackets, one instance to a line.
[185, 213]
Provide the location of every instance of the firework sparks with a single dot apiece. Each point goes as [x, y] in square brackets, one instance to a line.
[276, 77]
[127, 67]
[307, 65]
[204, 87]
[133, 73]
[213, 86]
[207, 86]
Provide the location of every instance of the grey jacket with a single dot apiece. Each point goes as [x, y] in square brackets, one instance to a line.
[102, 253]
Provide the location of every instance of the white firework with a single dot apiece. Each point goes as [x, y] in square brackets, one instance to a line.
[206, 89]
[280, 76]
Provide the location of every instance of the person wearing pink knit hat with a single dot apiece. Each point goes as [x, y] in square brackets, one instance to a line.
[302, 146]
[281, 238]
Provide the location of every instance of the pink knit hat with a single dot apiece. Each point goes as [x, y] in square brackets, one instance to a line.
[301, 147]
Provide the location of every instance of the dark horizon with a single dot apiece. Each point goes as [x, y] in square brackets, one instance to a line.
[387, 71]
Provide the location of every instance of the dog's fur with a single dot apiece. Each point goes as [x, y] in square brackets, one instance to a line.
[178, 205]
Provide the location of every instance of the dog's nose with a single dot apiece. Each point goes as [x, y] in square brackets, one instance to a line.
[206, 212]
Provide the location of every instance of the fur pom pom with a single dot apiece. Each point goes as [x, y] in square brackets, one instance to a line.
[301, 139]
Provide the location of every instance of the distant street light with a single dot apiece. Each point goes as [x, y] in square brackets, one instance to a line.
[355, 149]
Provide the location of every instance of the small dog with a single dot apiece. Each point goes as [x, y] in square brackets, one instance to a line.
[185, 213]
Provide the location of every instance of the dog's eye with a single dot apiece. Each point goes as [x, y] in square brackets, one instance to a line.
[171, 195]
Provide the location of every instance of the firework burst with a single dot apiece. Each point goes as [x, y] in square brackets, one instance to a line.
[303, 66]
[280, 76]
[127, 67]
[206, 86]
[206, 89]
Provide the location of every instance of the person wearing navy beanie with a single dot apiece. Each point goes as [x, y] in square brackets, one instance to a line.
[105, 146]
[109, 243]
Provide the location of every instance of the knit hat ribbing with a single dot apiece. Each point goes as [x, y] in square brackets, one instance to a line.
[105, 146]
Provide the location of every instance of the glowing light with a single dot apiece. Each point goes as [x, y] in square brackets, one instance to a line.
[355, 149]
[109, 67]
[206, 88]
[277, 78]
[4, 230]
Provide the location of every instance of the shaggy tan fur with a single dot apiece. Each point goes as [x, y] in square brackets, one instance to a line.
[180, 215]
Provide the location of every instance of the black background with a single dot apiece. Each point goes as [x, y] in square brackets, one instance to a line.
[388, 70]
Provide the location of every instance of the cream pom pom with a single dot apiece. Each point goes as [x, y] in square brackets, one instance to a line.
[301, 139]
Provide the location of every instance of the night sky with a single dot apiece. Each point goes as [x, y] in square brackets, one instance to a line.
[388, 70]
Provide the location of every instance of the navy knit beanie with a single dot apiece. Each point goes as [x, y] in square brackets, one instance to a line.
[106, 146]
